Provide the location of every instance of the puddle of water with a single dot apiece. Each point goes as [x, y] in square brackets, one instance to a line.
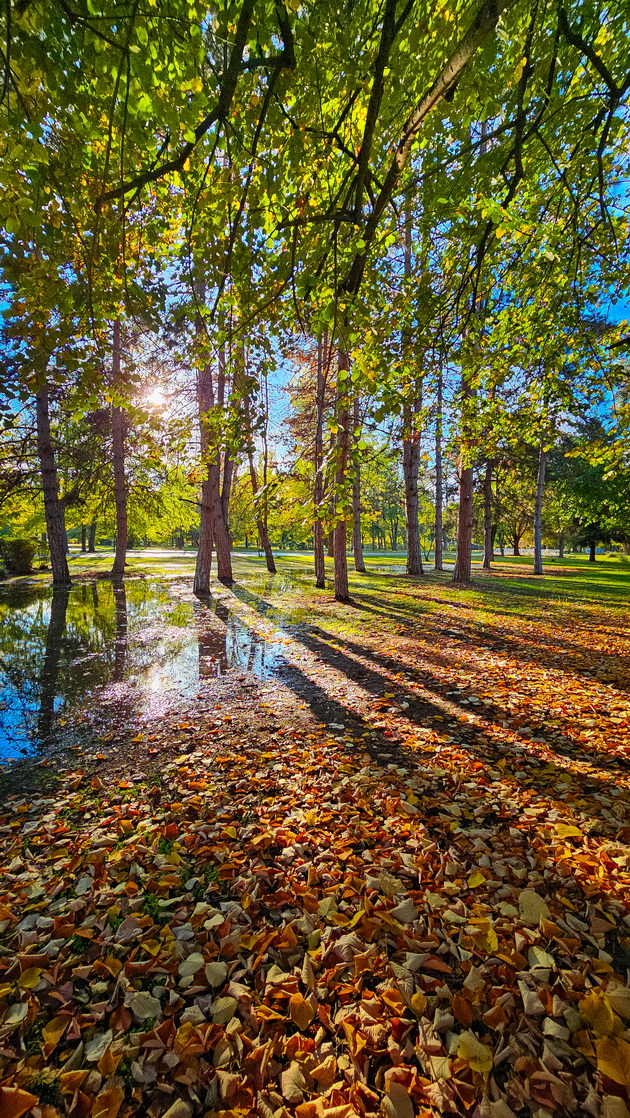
[391, 568]
[125, 651]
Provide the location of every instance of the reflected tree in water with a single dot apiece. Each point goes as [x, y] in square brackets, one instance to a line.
[120, 639]
[52, 659]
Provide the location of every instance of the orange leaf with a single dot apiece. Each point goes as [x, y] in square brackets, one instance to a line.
[108, 1063]
[14, 1101]
[70, 1081]
[462, 1010]
[108, 1103]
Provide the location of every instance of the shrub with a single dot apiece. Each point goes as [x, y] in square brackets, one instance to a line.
[17, 555]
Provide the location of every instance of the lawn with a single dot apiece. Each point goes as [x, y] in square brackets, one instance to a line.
[392, 876]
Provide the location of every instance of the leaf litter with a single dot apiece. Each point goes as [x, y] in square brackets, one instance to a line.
[411, 912]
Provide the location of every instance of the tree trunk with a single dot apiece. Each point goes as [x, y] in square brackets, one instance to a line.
[331, 543]
[318, 487]
[261, 517]
[357, 541]
[220, 506]
[488, 549]
[342, 593]
[439, 487]
[411, 469]
[515, 545]
[411, 436]
[464, 524]
[540, 491]
[118, 450]
[53, 507]
[92, 536]
[205, 401]
[83, 538]
[561, 545]
[592, 553]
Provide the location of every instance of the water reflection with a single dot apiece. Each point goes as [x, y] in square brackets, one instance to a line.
[120, 640]
[113, 650]
[52, 658]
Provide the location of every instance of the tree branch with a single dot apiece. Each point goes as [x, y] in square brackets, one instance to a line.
[218, 113]
[576, 40]
[485, 21]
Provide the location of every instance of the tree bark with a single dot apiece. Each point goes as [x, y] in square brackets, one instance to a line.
[515, 545]
[261, 518]
[342, 593]
[592, 554]
[488, 548]
[83, 538]
[540, 491]
[438, 547]
[411, 470]
[118, 451]
[411, 436]
[53, 507]
[439, 484]
[220, 508]
[465, 524]
[318, 487]
[205, 401]
[92, 536]
[330, 545]
[357, 541]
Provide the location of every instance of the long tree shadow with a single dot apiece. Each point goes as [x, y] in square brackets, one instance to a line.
[560, 742]
[489, 750]
[561, 655]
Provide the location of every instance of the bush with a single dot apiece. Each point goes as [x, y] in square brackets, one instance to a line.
[17, 555]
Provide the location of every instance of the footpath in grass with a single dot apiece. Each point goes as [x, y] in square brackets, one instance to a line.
[391, 880]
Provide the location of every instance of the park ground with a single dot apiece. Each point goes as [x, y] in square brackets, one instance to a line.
[391, 877]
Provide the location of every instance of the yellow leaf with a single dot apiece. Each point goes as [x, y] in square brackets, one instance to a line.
[153, 946]
[29, 978]
[613, 1059]
[418, 1002]
[231, 831]
[597, 1012]
[485, 936]
[477, 1055]
[301, 1011]
[476, 878]
[52, 1034]
[565, 830]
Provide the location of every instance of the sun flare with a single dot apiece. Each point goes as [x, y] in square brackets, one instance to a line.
[156, 398]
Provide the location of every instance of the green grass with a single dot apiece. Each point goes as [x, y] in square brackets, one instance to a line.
[511, 587]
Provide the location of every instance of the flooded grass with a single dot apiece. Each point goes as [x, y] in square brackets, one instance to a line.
[77, 664]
